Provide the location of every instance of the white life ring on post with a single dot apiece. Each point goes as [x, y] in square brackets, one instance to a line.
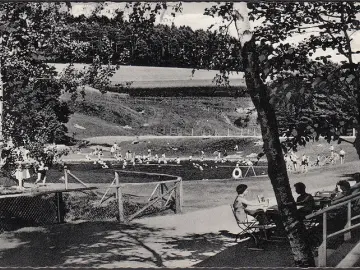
[237, 173]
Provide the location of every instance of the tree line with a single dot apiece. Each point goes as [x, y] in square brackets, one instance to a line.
[131, 44]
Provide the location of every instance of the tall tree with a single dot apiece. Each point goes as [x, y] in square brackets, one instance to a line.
[335, 25]
[33, 114]
[251, 44]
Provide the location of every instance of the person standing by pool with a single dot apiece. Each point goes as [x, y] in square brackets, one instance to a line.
[202, 155]
[112, 151]
[41, 171]
[115, 146]
[303, 163]
[317, 160]
[342, 156]
[293, 159]
[100, 154]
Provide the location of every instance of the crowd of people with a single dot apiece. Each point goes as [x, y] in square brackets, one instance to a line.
[97, 156]
[26, 167]
[294, 164]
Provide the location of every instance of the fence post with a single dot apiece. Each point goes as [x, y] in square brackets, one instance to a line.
[347, 236]
[119, 199]
[178, 197]
[66, 177]
[354, 134]
[161, 193]
[192, 132]
[228, 132]
[60, 207]
[322, 248]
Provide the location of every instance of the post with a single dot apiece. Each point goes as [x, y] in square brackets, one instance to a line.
[161, 193]
[322, 248]
[1, 103]
[60, 207]
[354, 134]
[241, 132]
[254, 132]
[119, 199]
[192, 132]
[116, 184]
[347, 235]
[228, 132]
[178, 197]
[66, 177]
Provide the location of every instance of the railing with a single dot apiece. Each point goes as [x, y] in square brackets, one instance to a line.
[347, 229]
[164, 193]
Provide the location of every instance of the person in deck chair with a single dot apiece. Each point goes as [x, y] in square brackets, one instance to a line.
[305, 200]
[242, 206]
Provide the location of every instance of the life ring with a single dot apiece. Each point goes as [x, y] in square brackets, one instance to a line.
[237, 173]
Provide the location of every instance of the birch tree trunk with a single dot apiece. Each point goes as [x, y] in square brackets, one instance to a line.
[277, 172]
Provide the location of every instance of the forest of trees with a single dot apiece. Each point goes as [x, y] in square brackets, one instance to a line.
[158, 45]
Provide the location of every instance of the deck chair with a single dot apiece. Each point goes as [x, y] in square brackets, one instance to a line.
[247, 226]
[258, 231]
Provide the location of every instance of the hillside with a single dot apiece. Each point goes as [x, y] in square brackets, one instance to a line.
[114, 114]
[161, 77]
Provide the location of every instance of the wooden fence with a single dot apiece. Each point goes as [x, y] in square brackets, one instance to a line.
[166, 193]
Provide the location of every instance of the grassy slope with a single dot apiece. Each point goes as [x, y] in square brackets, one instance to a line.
[105, 115]
[164, 77]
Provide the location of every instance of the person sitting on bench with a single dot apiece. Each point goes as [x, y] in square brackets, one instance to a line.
[242, 206]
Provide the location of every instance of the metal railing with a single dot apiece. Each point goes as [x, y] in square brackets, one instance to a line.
[346, 201]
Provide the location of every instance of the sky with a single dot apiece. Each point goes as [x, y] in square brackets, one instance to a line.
[192, 15]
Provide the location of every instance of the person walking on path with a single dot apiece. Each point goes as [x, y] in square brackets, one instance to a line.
[342, 156]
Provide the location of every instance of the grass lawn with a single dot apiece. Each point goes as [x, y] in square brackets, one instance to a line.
[163, 77]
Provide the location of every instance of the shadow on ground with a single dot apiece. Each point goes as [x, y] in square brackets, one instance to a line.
[96, 244]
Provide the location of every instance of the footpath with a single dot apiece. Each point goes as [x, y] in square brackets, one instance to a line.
[204, 237]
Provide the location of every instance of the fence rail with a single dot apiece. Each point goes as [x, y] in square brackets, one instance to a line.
[175, 131]
[346, 231]
[74, 199]
[167, 194]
